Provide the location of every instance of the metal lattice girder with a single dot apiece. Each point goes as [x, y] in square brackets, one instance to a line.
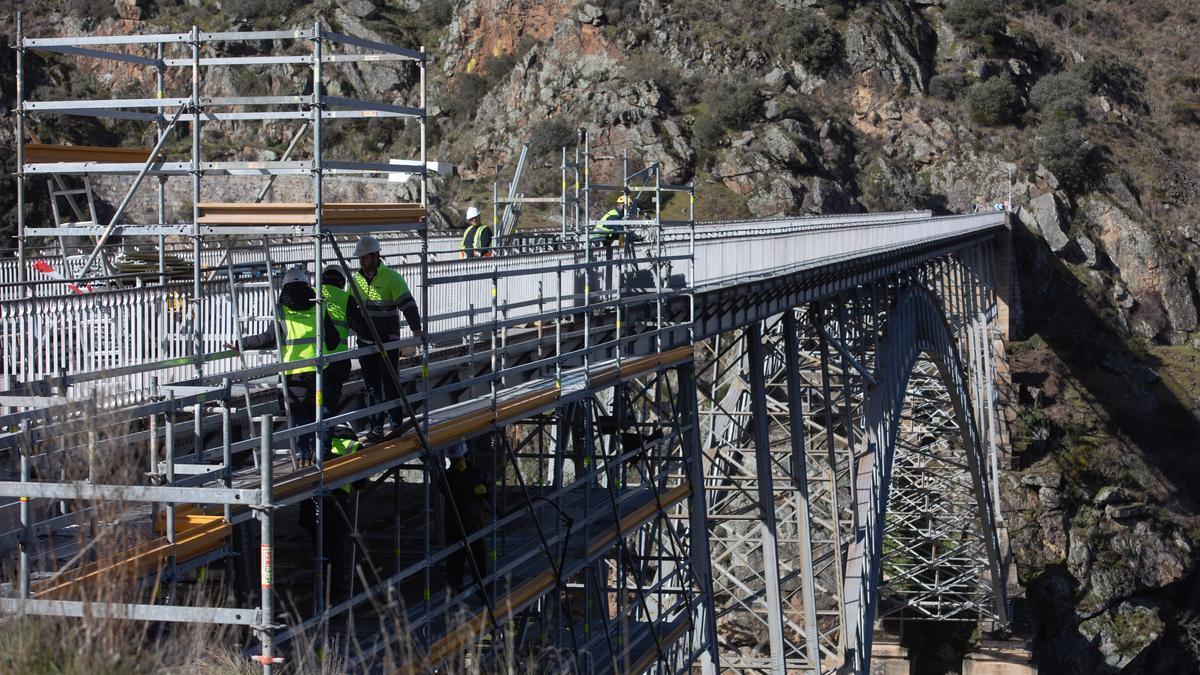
[894, 552]
[762, 555]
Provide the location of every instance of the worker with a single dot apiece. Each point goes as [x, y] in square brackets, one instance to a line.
[466, 488]
[385, 296]
[339, 514]
[477, 237]
[605, 231]
[297, 317]
[343, 308]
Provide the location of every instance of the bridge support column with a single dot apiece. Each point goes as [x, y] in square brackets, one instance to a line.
[766, 497]
[800, 483]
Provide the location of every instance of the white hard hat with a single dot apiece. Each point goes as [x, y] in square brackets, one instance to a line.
[457, 450]
[472, 212]
[366, 244]
[295, 275]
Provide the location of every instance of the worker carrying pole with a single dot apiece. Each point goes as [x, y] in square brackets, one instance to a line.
[343, 308]
[297, 316]
[385, 297]
[477, 237]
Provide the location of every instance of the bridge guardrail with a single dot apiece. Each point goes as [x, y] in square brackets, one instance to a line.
[89, 333]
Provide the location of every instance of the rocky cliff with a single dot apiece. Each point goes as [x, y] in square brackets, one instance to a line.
[1085, 115]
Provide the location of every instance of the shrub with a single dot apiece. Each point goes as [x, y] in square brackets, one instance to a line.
[735, 106]
[707, 132]
[617, 10]
[975, 19]
[549, 136]
[948, 86]
[436, 12]
[90, 10]
[810, 39]
[1061, 95]
[1185, 112]
[995, 102]
[498, 67]
[1065, 151]
[465, 94]
[1108, 76]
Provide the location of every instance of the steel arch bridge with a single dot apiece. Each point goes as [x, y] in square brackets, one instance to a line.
[745, 474]
[850, 446]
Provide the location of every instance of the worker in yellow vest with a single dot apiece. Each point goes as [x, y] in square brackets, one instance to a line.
[297, 317]
[343, 309]
[477, 237]
[603, 232]
[385, 296]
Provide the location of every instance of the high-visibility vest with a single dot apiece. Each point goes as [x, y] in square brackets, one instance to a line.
[381, 298]
[300, 337]
[341, 447]
[467, 245]
[337, 303]
[472, 242]
[603, 231]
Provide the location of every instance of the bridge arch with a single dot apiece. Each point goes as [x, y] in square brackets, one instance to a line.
[917, 337]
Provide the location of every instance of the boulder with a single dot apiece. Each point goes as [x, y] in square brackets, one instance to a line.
[1124, 632]
[1152, 270]
[590, 13]
[1043, 214]
[1109, 494]
[1131, 558]
[1088, 249]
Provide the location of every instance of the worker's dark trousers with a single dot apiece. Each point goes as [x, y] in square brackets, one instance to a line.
[380, 384]
[456, 562]
[302, 399]
[335, 538]
[335, 380]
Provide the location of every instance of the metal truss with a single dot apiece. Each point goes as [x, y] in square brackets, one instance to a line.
[792, 409]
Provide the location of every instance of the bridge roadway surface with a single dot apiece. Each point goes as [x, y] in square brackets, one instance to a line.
[742, 273]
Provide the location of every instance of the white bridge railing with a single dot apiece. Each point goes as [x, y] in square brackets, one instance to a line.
[80, 334]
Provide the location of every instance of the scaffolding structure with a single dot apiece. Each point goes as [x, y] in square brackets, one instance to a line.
[586, 430]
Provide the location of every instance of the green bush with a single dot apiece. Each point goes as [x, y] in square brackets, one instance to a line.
[1065, 151]
[948, 86]
[995, 102]
[730, 107]
[1062, 95]
[976, 19]
[549, 136]
[735, 107]
[809, 38]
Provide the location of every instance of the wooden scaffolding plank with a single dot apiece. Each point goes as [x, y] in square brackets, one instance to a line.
[42, 153]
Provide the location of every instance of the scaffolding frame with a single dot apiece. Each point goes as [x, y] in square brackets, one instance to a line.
[187, 480]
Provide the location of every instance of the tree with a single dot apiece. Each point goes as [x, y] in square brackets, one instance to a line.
[995, 102]
[976, 19]
[810, 39]
[1065, 151]
[1061, 95]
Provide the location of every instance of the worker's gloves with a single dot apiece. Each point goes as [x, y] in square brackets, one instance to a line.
[231, 346]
